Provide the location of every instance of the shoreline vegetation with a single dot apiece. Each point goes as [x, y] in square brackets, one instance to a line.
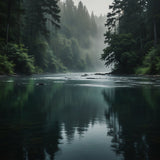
[133, 37]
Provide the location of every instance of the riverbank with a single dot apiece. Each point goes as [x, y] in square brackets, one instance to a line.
[83, 74]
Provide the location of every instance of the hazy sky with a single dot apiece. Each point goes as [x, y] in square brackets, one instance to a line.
[97, 6]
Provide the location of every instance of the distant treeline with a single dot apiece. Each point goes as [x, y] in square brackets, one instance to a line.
[45, 36]
[133, 37]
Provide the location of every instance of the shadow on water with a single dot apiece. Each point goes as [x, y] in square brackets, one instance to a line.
[134, 122]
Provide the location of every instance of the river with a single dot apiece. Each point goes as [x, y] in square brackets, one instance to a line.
[79, 116]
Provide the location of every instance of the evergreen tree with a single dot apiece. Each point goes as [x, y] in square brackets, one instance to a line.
[137, 20]
[31, 42]
[38, 13]
[10, 20]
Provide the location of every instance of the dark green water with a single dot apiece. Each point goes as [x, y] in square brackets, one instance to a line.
[70, 117]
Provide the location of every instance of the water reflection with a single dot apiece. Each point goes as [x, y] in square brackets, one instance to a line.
[64, 121]
[134, 122]
[33, 117]
[24, 133]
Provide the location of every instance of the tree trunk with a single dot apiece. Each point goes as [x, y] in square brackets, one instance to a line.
[19, 22]
[155, 32]
[7, 33]
[8, 21]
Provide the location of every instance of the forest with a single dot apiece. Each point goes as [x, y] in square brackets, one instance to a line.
[133, 37]
[46, 36]
[49, 36]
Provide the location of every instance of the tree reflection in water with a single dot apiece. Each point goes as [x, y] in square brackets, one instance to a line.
[24, 133]
[134, 122]
[33, 117]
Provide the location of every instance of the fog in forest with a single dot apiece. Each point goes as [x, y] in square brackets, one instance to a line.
[44, 36]
[99, 7]
[97, 45]
[90, 29]
[52, 37]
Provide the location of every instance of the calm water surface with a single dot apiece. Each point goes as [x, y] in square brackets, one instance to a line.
[79, 117]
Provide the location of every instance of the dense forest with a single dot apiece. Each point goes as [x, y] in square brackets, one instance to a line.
[133, 37]
[39, 36]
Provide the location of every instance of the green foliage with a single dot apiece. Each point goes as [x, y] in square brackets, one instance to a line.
[151, 62]
[54, 64]
[120, 51]
[41, 50]
[142, 70]
[6, 67]
[35, 24]
[65, 52]
[78, 29]
[55, 52]
[69, 52]
[38, 14]
[77, 23]
[46, 60]
[132, 27]
[23, 63]
[26, 22]
[10, 17]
